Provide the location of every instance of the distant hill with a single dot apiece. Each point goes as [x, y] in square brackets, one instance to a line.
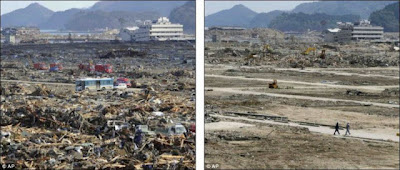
[238, 15]
[362, 8]
[32, 15]
[262, 20]
[89, 20]
[302, 22]
[185, 15]
[162, 7]
[59, 19]
[387, 17]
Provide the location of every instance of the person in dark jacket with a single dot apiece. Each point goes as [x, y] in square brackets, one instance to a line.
[347, 129]
[138, 137]
[336, 129]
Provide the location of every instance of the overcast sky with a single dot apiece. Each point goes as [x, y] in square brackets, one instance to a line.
[263, 6]
[8, 6]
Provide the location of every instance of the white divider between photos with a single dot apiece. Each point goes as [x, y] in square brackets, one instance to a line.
[200, 84]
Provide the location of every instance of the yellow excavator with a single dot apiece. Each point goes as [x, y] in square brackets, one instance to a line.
[268, 49]
[273, 85]
[309, 49]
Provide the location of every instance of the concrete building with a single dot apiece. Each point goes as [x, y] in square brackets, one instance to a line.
[160, 30]
[126, 33]
[359, 31]
[363, 30]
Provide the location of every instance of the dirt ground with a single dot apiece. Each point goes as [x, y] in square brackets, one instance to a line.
[313, 97]
[279, 147]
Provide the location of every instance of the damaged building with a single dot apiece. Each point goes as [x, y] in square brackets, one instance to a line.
[160, 30]
[359, 31]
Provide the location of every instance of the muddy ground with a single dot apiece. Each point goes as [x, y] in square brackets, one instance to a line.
[280, 147]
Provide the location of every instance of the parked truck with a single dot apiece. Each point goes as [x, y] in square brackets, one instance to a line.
[56, 67]
[103, 68]
[40, 66]
[87, 67]
[123, 80]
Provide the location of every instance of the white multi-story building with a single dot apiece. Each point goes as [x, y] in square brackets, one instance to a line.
[362, 30]
[160, 30]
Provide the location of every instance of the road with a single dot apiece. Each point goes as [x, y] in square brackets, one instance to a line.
[239, 91]
[334, 71]
[339, 73]
[373, 88]
[373, 134]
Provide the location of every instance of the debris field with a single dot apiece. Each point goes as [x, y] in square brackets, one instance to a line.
[47, 123]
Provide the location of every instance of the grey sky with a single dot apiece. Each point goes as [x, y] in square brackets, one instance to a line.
[258, 6]
[8, 6]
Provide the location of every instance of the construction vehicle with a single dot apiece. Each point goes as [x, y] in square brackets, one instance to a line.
[104, 68]
[56, 67]
[251, 59]
[266, 50]
[309, 49]
[40, 66]
[273, 85]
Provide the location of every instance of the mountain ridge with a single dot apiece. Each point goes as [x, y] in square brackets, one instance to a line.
[32, 15]
[333, 8]
[238, 15]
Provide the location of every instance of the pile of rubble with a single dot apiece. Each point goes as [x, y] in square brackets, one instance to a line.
[43, 128]
[290, 55]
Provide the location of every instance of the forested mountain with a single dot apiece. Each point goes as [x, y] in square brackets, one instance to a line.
[361, 8]
[90, 20]
[262, 20]
[59, 19]
[387, 17]
[185, 15]
[302, 22]
[162, 7]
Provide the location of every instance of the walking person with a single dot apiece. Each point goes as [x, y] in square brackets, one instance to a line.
[336, 128]
[348, 129]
